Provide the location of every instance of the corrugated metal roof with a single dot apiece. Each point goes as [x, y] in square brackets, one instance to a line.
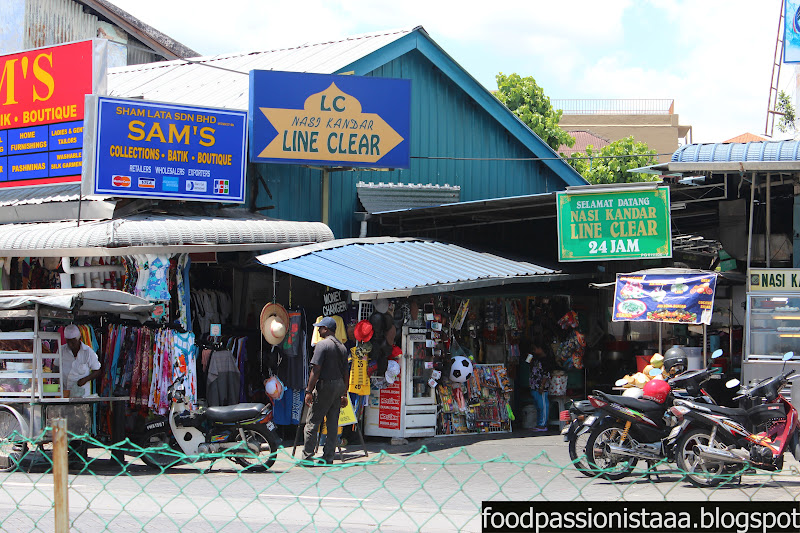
[39, 195]
[392, 267]
[376, 197]
[582, 141]
[161, 231]
[223, 80]
[769, 151]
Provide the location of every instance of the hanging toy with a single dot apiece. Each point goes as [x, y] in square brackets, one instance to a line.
[460, 369]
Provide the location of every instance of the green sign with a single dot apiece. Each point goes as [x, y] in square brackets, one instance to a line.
[625, 224]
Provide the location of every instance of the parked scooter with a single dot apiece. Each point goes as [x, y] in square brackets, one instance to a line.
[633, 428]
[581, 417]
[243, 432]
[719, 443]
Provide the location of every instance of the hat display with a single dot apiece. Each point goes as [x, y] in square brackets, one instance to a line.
[326, 322]
[274, 309]
[381, 305]
[363, 331]
[274, 388]
[273, 329]
[392, 371]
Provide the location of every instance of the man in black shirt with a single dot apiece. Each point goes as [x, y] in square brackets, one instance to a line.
[326, 392]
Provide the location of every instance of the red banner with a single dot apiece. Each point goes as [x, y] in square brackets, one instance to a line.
[389, 407]
[46, 85]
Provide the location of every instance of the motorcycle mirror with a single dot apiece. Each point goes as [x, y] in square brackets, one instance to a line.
[732, 383]
[621, 382]
[656, 371]
[717, 353]
[788, 355]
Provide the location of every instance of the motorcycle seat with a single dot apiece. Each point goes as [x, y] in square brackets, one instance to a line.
[632, 403]
[234, 413]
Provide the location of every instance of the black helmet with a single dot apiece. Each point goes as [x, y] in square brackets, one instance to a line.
[675, 358]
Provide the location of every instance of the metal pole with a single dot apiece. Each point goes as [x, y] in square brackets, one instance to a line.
[60, 481]
[769, 225]
[750, 229]
[660, 339]
[705, 346]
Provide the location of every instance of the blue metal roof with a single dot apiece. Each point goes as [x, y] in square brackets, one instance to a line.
[393, 267]
[767, 151]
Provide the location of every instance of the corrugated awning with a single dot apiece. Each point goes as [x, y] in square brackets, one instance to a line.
[157, 233]
[387, 267]
[98, 300]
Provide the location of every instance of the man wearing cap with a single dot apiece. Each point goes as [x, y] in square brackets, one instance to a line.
[79, 363]
[326, 392]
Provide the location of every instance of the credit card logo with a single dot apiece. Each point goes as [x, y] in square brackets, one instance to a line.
[121, 181]
[147, 183]
[196, 186]
[221, 186]
[170, 184]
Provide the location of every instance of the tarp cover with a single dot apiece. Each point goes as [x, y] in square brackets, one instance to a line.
[97, 300]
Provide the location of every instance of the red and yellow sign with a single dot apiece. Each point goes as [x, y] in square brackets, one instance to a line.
[46, 85]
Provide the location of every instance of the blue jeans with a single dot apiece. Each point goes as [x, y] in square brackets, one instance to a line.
[542, 401]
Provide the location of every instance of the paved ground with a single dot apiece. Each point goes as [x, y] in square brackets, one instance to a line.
[397, 488]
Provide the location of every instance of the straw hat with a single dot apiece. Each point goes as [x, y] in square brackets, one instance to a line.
[274, 323]
[274, 309]
[273, 329]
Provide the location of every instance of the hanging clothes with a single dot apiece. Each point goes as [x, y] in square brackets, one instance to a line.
[223, 379]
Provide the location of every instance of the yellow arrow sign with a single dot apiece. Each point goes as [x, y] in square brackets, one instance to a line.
[330, 127]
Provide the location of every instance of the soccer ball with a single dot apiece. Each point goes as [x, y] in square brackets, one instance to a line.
[460, 369]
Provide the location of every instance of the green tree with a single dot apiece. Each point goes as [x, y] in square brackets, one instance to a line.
[527, 100]
[611, 163]
[785, 107]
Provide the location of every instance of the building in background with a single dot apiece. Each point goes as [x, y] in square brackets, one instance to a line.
[652, 121]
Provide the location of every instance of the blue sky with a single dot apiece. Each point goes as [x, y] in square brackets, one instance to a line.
[713, 57]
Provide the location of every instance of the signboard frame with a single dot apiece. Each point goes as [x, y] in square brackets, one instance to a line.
[761, 280]
[592, 236]
[180, 173]
[329, 120]
[678, 298]
[63, 65]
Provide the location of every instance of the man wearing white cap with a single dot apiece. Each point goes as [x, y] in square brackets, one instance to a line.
[79, 363]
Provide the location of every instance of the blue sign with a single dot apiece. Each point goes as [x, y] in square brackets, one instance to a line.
[151, 150]
[678, 298]
[41, 152]
[329, 120]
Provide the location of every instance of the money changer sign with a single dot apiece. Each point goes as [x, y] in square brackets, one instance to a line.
[625, 224]
[352, 121]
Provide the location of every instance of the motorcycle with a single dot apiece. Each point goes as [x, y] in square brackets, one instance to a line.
[633, 428]
[719, 444]
[243, 433]
[581, 417]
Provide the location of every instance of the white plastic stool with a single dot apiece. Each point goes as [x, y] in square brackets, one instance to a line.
[561, 403]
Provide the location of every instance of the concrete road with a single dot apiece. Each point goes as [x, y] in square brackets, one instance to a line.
[399, 489]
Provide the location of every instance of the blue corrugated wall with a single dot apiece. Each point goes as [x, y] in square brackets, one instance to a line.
[445, 122]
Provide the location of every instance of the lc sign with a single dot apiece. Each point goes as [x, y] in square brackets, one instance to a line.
[299, 118]
[623, 224]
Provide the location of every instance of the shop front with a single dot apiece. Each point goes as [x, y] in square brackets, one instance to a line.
[435, 331]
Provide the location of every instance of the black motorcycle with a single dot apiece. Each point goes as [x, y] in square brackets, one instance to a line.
[631, 428]
[581, 417]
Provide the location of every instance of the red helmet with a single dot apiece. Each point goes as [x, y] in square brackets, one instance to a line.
[656, 390]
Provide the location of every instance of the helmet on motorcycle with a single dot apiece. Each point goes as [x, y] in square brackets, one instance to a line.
[656, 390]
[675, 360]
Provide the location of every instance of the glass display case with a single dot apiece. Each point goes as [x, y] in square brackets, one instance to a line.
[774, 325]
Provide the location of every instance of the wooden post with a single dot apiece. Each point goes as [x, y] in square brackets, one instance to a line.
[60, 468]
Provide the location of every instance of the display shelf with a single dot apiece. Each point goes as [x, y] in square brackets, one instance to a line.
[773, 329]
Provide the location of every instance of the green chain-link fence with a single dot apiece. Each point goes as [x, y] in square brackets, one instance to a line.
[423, 490]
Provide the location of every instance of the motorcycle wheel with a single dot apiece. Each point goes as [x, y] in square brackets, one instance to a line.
[601, 462]
[577, 452]
[12, 449]
[267, 444]
[700, 472]
[159, 452]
